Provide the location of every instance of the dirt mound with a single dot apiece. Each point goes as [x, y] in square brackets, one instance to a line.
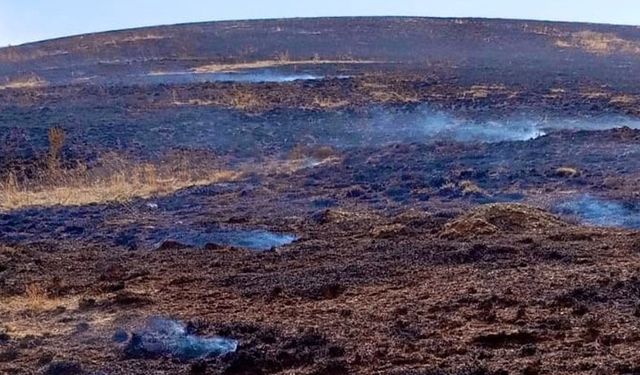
[502, 217]
[338, 216]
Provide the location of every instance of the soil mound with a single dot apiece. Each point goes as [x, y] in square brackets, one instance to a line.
[501, 217]
[336, 216]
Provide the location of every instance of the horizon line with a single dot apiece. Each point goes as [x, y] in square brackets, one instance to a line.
[134, 28]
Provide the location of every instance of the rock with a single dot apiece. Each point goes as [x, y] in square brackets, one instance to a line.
[120, 336]
[112, 287]
[130, 299]
[63, 368]
[506, 339]
[333, 368]
[171, 245]
[9, 355]
[198, 368]
[86, 303]
[82, 327]
[213, 246]
[338, 216]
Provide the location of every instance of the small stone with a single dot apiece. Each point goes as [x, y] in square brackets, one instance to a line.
[121, 336]
[198, 368]
[63, 368]
[8, 355]
[82, 327]
[171, 245]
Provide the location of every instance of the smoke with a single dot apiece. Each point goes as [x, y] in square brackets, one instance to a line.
[166, 337]
[426, 125]
[253, 76]
[225, 130]
[258, 240]
[383, 125]
[601, 212]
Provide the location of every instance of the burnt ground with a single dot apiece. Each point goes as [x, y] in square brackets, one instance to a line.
[477, 214]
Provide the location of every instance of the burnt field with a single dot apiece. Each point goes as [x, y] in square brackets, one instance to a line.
[323, 196]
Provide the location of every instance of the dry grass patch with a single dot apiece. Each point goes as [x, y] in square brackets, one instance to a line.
[137, 38]
[23, 314]
[470, 188]
[116, 180]
[567, 172]
[393, 97]
[623, 99]
[29, 82]
[329, 103]
[595, 95]
[241, 99]
[599, 43]
[280, 60]
[35, 299]
[481, 91]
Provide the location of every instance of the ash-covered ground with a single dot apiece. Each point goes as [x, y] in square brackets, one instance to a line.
[400, 196]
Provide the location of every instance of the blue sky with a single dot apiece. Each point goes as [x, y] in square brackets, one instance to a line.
[30, 20]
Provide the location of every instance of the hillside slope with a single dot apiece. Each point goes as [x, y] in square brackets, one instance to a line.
[546, 50]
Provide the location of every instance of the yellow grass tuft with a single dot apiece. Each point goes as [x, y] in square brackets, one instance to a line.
[567, 172]
[470, 188]
[34, 299]
[118, 181]
[28, 82]
[56, 142]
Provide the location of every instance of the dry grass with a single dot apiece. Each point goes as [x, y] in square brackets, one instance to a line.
[393, 97]
[280, 60]
[283, 56]
[238, 98]
[384, 92]
[482, 91]
[116, 180]
[22, 314]
[470, 188]
[599, 43]
[137, 38]
[29, 82]
[623, 99]
[328, 103]
[316, 152]
[56, 143]
[34, 299]
[567, 172]
[595, 95]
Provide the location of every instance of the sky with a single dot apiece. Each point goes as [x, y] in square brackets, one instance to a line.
[24, 21]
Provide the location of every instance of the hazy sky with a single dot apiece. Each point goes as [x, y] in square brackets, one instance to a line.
[30, 20]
